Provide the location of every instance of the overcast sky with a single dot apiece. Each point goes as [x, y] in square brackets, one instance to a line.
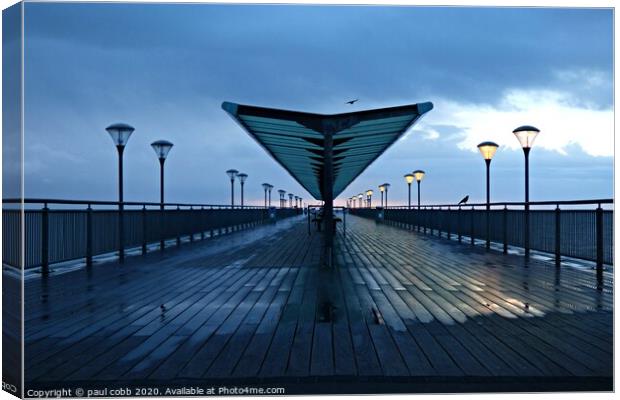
[166, 69]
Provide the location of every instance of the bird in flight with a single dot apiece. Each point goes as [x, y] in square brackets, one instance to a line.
[464, 200]
[352, 101]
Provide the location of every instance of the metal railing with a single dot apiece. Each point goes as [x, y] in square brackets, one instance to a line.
[580, 229]
[57, 231]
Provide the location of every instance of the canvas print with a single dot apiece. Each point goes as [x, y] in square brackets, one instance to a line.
[263, 199]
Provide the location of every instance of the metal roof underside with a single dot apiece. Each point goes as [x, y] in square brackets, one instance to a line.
[296, 139]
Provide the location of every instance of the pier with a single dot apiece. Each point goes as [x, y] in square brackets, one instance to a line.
[399, 307]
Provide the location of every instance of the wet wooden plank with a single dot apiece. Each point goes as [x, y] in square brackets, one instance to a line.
[403, 304]
[322, 359]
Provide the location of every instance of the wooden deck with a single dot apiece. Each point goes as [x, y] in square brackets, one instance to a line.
[401, 312]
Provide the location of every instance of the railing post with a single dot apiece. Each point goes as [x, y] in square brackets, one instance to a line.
[558, 254]
[449, 214]
[178, 225]
[599, 243]
[431, 220]
[487, 219]
[425, 219]
[89, 236]
[211, 233]
[458, 224]
[505, 228]
[191, 215]
[526, 225]
[410, 218]
[471, 226]
[143, 229]
[219, 228]
[45, 266]
[202, 224]
[417, 218]
[162, 237]
[121, 233]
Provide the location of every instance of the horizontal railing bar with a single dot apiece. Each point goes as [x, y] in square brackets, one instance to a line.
[146, 203]
[116, 203]
[511, 203]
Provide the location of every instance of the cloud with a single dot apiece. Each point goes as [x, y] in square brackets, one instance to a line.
[168, 75]
[563, 122]
[586, 77]
[426, 131]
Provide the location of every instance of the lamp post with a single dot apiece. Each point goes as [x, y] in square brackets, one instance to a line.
[232, 173]
[242, 178]
[525, 135]
[381, 189]
[265, 188]
[120, 134]
[488, 149]
[282, 193]
[409, 179]
[386, 186]
[162, 148]
[269, 194]
[360, 198]
[418, 174]
[290, 200]
[369, 193]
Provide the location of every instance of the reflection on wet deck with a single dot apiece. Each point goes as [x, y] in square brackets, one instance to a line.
[400, 308]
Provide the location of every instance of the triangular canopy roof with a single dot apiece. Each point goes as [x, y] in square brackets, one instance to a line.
[296, 140]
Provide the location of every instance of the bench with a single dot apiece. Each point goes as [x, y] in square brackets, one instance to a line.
[318, 220]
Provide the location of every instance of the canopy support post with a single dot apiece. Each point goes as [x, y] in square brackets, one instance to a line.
[328, 196]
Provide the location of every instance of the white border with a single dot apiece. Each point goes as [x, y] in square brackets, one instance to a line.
[483, 3]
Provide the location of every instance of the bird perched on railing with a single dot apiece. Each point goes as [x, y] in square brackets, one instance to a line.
[464, 200]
